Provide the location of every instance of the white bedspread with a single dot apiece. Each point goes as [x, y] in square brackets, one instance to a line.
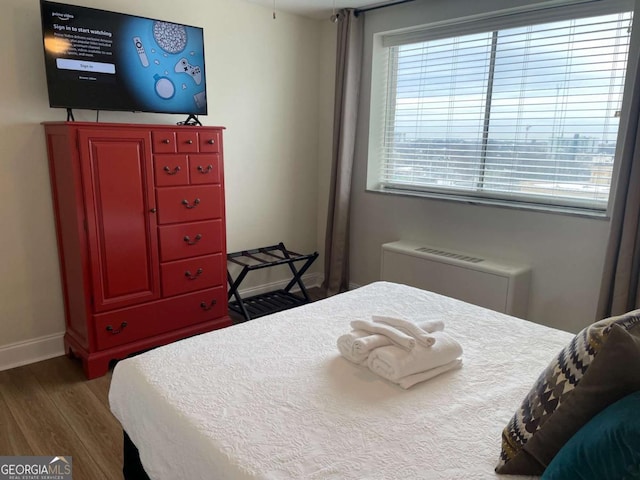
[272, 398]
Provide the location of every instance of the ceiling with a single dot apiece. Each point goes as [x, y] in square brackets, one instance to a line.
[317, 9]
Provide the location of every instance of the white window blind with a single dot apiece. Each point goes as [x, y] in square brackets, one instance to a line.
[524, 114]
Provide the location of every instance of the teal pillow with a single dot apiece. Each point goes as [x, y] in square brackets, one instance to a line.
[606, 447]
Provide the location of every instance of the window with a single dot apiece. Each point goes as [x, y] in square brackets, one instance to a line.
[527, 114]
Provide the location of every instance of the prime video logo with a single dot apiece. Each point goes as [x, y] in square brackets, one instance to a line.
[63, 16]
[36, 468]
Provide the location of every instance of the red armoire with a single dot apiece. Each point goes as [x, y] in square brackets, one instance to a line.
[140, 224]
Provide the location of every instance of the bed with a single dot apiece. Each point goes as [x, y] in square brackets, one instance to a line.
[273, 399]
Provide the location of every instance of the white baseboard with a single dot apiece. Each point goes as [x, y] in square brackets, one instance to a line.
[31, 351]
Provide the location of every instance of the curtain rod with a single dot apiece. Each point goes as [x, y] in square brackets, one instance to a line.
[358, 11]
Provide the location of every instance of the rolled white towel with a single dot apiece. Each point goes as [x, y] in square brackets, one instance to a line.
[398, 338]
[422, 336]
[346, 346]
[428, 326]
[364, 345]
[431, 326]
[394, 363]
[410, 380]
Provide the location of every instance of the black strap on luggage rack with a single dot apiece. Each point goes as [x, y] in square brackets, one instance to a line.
[270, 302]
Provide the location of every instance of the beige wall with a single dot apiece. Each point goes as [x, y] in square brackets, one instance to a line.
[265, 83]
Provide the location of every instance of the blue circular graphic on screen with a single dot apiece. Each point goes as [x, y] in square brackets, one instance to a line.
[165, 88]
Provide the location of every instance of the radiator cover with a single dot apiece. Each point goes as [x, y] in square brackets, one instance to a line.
[503, 287]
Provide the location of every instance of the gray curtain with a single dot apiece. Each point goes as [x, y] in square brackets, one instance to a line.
[619, 291]
[347, 89]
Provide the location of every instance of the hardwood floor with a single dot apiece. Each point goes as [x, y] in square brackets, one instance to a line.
[49, 408]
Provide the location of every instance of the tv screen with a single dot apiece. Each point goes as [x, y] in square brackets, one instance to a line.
[102, 60]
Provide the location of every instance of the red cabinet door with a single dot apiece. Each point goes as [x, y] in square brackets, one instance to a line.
[121, 225]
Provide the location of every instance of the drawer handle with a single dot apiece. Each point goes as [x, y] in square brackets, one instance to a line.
[209, 306]
[211, 141]
[205, 170]
[189, 142]
[195, 240]
[190, 276]
[166, 141]
[110, 329]
[206, 306]
[169, 172]
[196, 202]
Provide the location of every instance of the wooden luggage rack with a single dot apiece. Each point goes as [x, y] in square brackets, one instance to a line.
[270, 302]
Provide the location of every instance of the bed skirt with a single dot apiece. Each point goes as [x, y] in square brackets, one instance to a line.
[131, 467]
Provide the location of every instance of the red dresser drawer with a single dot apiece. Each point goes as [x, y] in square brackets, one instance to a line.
[210, 141]
[187, 142]
[184, 276]
[187, 204]
[204, 169]
[190, 240]
[135, 323]
[163, 141]
[170, 170]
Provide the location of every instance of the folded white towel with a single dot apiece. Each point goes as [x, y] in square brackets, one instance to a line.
[409, 328]
[394, 363]
[346, 346]
[410, 380]
[399, 338]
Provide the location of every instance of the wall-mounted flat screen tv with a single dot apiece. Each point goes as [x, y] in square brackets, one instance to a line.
[101, 60]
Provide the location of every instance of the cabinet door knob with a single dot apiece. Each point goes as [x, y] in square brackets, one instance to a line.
[153, 210]
[195, 203]
[189, 142]
[166, 140]
[211, 141]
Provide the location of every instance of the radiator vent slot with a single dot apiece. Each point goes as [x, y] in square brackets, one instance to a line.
[494, 284]
[446, 254]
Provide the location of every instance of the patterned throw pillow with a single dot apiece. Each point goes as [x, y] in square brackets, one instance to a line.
[598, 367]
